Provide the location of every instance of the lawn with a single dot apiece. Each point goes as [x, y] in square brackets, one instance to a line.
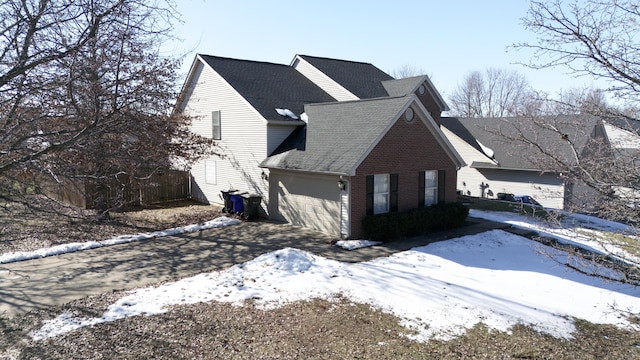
[495, 295]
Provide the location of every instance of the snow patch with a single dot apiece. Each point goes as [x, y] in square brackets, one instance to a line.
[356, 244]
[487, 151]
[87, 245]
[287, 113]
[439, 290]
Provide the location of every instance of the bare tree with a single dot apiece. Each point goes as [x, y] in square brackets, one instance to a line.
[406, 71]
[576, 101]
[494, 93]
[592, 38]
[84, 94]
[600, 39]
[596, 149]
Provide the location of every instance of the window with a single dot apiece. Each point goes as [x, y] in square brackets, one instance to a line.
[429, 191]
[210, 172]
[382, 193]
[215, 125]
[430, 187]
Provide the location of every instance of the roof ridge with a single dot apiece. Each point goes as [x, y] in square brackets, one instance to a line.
[328, 58]
[242, 60]
[360, 100]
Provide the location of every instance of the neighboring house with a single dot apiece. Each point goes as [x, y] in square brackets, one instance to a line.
[498, 161]
[324, 141]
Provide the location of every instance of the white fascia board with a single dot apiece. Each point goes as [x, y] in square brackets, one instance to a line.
[342, 95]
[179, 102]
[436, 94]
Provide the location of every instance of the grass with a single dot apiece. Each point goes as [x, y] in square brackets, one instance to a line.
[316, 329]
[25, 229]
[630, 244]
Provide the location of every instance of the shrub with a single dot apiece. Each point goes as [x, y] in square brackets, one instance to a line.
[420, 221]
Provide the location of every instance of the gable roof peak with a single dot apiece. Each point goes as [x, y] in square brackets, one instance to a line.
[360, 79]
[267, 86]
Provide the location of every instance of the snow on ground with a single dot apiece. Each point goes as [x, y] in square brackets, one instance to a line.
[356, 244]
[79, 246]
[579, 230]
[438, 290]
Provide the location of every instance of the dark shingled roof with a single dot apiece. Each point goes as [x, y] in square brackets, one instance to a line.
[498, 134]
[268, 86]
[361, 79]
[340, 134]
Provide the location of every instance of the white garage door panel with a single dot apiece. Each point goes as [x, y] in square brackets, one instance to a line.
[310, 202]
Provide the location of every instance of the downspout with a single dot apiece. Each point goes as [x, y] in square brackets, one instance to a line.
[342, 185]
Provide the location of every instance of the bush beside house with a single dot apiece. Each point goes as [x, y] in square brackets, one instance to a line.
[420, 221]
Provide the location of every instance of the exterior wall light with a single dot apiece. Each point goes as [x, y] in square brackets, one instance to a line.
[264, 176]
[342, 185]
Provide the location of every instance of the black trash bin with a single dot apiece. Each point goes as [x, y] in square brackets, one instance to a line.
[252, 206]
[228, 204]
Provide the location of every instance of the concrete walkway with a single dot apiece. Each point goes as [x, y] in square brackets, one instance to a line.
[55, 280]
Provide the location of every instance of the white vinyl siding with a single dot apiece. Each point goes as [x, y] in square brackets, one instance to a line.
[243, 137]
[323, 81]
[546, 188]
[430, 187]
[276, 134]
[380, 193]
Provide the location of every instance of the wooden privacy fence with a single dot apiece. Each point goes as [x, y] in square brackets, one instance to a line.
[167, 185]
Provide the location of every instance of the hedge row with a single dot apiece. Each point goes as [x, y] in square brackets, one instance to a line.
[393, 226]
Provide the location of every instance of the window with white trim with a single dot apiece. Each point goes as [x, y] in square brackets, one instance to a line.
[210, 172]
[430, 187]
[380, 193]
[215, 125]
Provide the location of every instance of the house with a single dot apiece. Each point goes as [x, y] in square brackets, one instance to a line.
[502, 155]
[323, 141]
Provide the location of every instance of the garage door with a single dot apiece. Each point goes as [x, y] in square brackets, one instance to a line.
[308, 201]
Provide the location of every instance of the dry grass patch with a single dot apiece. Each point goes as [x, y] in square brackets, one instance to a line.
[52, 223]
[316, 329]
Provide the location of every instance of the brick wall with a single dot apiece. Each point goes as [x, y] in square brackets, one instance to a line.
[431, 105]
[407, 149]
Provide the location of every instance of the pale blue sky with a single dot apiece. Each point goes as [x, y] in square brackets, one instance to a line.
[444, 39]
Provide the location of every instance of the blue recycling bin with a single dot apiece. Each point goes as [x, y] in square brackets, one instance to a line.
[228, 205]
[238, 203]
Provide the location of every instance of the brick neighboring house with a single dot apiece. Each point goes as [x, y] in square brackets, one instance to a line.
[324, 141]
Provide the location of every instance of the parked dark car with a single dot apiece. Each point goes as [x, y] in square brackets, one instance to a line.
[523, 199]
[526, 199]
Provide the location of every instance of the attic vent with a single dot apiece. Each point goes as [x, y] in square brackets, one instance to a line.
[422, 90]
[409, 115]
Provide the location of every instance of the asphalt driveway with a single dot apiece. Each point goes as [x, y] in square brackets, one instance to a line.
[55, 280]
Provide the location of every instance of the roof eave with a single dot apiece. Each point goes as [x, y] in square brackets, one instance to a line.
[291, 122]
[492, 166]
